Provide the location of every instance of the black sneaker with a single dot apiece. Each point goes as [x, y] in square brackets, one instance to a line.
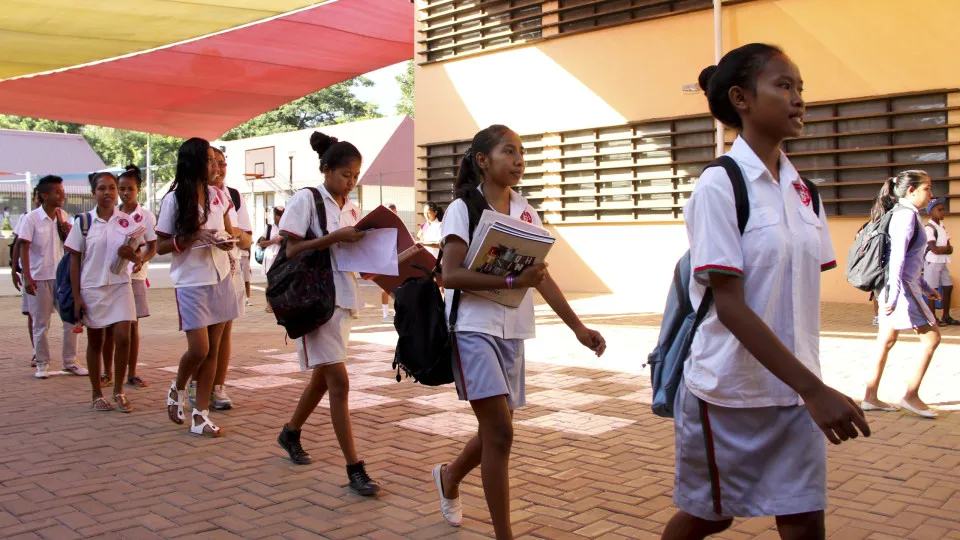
[290, 441]
[360, 481]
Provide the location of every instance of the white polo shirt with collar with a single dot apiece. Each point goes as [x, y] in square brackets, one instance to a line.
[784, 248]
[200, 266]
[300, 216]
[46, 249]
[99, 248]
[477, 314]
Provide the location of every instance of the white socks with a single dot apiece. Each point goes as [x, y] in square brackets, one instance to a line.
[386, 309]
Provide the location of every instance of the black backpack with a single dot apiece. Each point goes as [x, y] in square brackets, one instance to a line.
[869, 256]
[301, 290]
[425, 343]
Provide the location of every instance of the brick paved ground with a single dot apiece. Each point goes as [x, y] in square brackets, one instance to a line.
[590, 460]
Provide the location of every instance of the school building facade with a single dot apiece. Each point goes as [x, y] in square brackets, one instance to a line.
[601, 92]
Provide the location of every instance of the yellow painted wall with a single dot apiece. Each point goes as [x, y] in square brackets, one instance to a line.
[844, 48]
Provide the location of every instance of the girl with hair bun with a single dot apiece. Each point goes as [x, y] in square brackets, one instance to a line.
[324, 350]
[131, 182]
[902, 300]
[751, 406]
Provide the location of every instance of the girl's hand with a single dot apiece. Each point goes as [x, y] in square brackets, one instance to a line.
[29, 286]
[137, 266]
[531, 276]
[17, 280]
[934, 295]
[78, 308]
[203, 236]
[835, 414]
[127, 252]
[592, 340]
[889, 309]
[348, 235]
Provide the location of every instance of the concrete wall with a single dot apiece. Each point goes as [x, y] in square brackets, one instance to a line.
[844, 48]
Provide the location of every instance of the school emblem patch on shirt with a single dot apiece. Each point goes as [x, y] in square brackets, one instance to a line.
[525, 216]
[138, 218]
[803, 192]
[123, 222]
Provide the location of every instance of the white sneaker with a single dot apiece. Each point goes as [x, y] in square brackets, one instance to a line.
[220, 400]
[248, 303]
[876, 321]
[41, 372]
[451, 509]
[387, 319]
[76, 370]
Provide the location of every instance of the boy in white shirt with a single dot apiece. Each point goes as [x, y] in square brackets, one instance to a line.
[935, 269]
[41, 248]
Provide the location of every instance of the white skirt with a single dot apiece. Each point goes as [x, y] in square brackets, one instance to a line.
[108, 304]
[240, 289]
[206, 305]
[327, 344]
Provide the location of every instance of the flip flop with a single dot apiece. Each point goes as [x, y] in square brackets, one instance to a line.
[929, 413]
[866, 406]
[951, 321]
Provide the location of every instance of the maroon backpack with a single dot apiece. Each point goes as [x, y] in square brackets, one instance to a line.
[300, 290]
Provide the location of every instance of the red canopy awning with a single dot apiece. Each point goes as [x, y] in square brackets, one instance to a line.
[206, 86]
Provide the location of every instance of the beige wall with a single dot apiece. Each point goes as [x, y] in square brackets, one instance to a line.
[844, 48]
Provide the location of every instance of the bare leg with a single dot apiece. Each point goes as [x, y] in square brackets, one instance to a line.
[30, 328]
[496, 437]
[246, 287]
[947, 298]
[808, 526]
[454, 473]
[886, 338]
[683, 526]
[94, 349]
[309, 400]
[108, 347]
[338, 384]
[121, 340]
[930, 339]
[134, 349]
[223, 358]
[208, 367]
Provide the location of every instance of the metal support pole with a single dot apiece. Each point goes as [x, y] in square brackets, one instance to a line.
[717, 55]
[381, 188]
[28, 194]
[150, 193]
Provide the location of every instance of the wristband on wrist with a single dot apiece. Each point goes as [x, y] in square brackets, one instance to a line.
[510, 280]
[176, 246]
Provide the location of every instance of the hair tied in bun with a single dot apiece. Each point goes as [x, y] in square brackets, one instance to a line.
[705, 76]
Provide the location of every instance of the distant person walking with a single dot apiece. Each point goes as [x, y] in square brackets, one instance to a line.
[937, 258]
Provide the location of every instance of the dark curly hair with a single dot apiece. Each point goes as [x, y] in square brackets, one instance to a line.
[738, 68]
[132, 171]
[190, 178]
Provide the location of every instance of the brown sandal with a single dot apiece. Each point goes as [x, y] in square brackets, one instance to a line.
[102, 405]
[123, 403]
[137, 382]
[105, 381]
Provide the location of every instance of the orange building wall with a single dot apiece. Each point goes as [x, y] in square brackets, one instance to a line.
[844, 48]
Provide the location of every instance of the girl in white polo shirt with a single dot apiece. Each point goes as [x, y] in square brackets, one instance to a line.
[102, 298]
[751, 407]
[131, 182]
[324, 350]
[193, 219]
[489, 345]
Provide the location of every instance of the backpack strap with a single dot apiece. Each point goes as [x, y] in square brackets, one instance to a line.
[740, 198]
[321, 209]
[235, 196]
[814, 195]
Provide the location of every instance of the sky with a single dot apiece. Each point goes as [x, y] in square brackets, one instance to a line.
[386, 90]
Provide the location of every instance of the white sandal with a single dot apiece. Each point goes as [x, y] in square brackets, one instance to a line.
[202, 428]
[178, 403]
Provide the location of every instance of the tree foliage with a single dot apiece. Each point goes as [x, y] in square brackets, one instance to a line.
[332, 105]
[405, 106]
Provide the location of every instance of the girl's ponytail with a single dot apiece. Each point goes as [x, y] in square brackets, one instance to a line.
[469, 177]
[895, 188]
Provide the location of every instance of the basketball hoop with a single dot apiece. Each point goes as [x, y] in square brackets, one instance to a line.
[253, 176]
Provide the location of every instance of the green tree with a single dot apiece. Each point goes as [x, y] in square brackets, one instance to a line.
[118, 147]
[24, 123]
[405, 106]
[333, 105]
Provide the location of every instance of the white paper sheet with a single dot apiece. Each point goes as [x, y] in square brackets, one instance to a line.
[375, 254]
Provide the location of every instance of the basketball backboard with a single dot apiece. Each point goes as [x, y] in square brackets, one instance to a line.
[260, 162]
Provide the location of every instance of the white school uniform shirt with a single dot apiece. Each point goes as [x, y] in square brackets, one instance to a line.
[942, 238]
[46, 249]
[784, 247]
[300, 215]
[243, 221]
[477, 314]
[432, 234]
[201, 266]
[142, 216]
[99, 249]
